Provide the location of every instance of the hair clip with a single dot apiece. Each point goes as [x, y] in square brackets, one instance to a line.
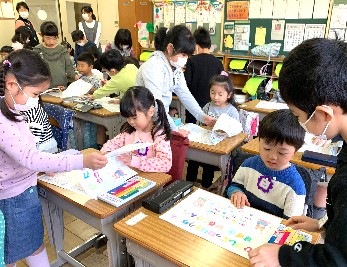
[7, 62]
[224, 73]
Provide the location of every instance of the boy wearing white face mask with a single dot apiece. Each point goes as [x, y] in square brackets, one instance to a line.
[162, 73]
[82, 43]
[23, 11]
[123, 43]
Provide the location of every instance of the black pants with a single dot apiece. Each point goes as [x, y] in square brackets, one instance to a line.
[207, 173]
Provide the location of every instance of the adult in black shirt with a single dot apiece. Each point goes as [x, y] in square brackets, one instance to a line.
[23, 11]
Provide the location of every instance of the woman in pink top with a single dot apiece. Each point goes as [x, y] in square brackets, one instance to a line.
[143, 125]
[23, 77]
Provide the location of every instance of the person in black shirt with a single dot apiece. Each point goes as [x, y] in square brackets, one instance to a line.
[23, 11]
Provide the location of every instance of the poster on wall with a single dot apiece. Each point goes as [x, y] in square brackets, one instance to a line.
[237, 10]
[180, 14]
[158, 18]
[279, 9]
[314, 31]
[292, 9]
[191, 13]
[277, 29]
[306, 9]
[169, 14]
[217, 9]
[321, 9]
[266, 9]
[254, 9]
[241, 37]
[294, 35]
[7, 10]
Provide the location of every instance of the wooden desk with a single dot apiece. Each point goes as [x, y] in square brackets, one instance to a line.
[253, 147]
[155, 242]
[112, 121]
[216, 155]
[250, 106]
[96, 213]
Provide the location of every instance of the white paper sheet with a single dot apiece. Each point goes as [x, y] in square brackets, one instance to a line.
[191, 14]
[104, 102]
[294, 35]
[254, 9]
[7, 10]
[339, 34]
[338, 16]
[169, 13]
[77, 88]
[321, 9]
[266, 9]
[215, 219]
[306, 9]
[279, 9]
[277, 29]
[332, 149]
[292, 9]
[128, 148]
[241, 37]
[271, 105]
[180, 13]
[314, 31]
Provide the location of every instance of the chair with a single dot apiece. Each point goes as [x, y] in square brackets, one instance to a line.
[179, 146]
[61, 121]
[2, 238]
[309, 176]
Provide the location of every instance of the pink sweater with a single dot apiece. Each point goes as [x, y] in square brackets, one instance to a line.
[156, 158]
[20, 160]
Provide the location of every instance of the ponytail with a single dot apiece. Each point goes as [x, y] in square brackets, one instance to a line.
[161, 122]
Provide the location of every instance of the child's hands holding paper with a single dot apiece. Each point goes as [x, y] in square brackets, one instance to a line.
[94, 160]
[209, 121]
[239, 200]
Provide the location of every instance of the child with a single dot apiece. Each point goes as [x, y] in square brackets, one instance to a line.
[313, 83]
[138, 106]
[122, 75]
[200, 68]
[122, 43]
[26, 76]
[96, 55]
[222, 101]
[69, 49]
[268, 181]
[21, 38]
[85, 63]
[55, 55]
[82, 43]
[5, 51]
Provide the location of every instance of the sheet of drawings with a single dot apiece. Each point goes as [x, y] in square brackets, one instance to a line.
[215, 219]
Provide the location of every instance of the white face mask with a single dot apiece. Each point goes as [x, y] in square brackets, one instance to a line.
[29, 104]
[125, 47]
[81, 43]
[321, 136]
[17, 46]
[180, 63]
[85, 16]
[24, 14]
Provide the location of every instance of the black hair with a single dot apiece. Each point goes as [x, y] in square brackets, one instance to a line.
[131, 60]
[22, 4]
[180, 37]
[315, 73]
[139, 98]
[159, 38]
[226, 82]
[88, 9]
[28, 68]
[6, 49]
[112, 59]
[123, 37]
[93, 50]
[202, 37]
[77, 35]
[21, 35]
[67, 45]
[49, 28]
[86, 57]
[282, 126]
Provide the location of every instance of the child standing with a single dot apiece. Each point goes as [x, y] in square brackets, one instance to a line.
[122, 43]
[268, 181]
[200, 68]
[25, 77]
[313, 83]
[138, 106]
[55, 55]
[222, 101]
[85, 63]
[82, 43]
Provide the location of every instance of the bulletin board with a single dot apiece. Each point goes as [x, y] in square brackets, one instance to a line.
[239, 22]
[6, 10]
[178, 16]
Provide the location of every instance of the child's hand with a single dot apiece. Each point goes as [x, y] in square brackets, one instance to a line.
[94, 160]
[265, 255]
[103, 82]
[209, 121]
[50, 174]
[303, 222]
[320, 142]
[61, 87]
[76, 77]
[183, 132]
[239, 200]
[114, 101]
[126, 158]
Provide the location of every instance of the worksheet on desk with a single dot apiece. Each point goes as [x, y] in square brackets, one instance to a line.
[271, 105]
[215, 219]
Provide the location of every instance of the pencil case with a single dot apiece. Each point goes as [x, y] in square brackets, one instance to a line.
[319, 158]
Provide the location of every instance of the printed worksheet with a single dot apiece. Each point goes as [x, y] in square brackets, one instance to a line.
[294, 35]
[314, 31]
[215, 219]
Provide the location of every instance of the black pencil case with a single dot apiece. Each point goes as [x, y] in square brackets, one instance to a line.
[319, 158]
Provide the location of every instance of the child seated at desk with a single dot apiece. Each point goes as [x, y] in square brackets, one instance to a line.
[85, 63]
[222, 101]
[268, 181]
[143, 125]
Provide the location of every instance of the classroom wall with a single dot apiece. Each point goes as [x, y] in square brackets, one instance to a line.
[8, 34]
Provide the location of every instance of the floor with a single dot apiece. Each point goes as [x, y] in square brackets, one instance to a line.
[76, 232]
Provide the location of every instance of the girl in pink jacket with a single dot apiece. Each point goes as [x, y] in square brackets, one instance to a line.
[146, 123]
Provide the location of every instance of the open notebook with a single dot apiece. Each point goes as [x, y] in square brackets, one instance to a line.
[225, 126]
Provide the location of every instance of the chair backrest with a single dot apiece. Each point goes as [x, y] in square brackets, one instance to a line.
[63, 117]
[309, 176]
[179, 146]
[2, 238]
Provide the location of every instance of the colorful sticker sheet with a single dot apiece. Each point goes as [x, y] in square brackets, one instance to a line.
[287, 236]
[215, 219]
